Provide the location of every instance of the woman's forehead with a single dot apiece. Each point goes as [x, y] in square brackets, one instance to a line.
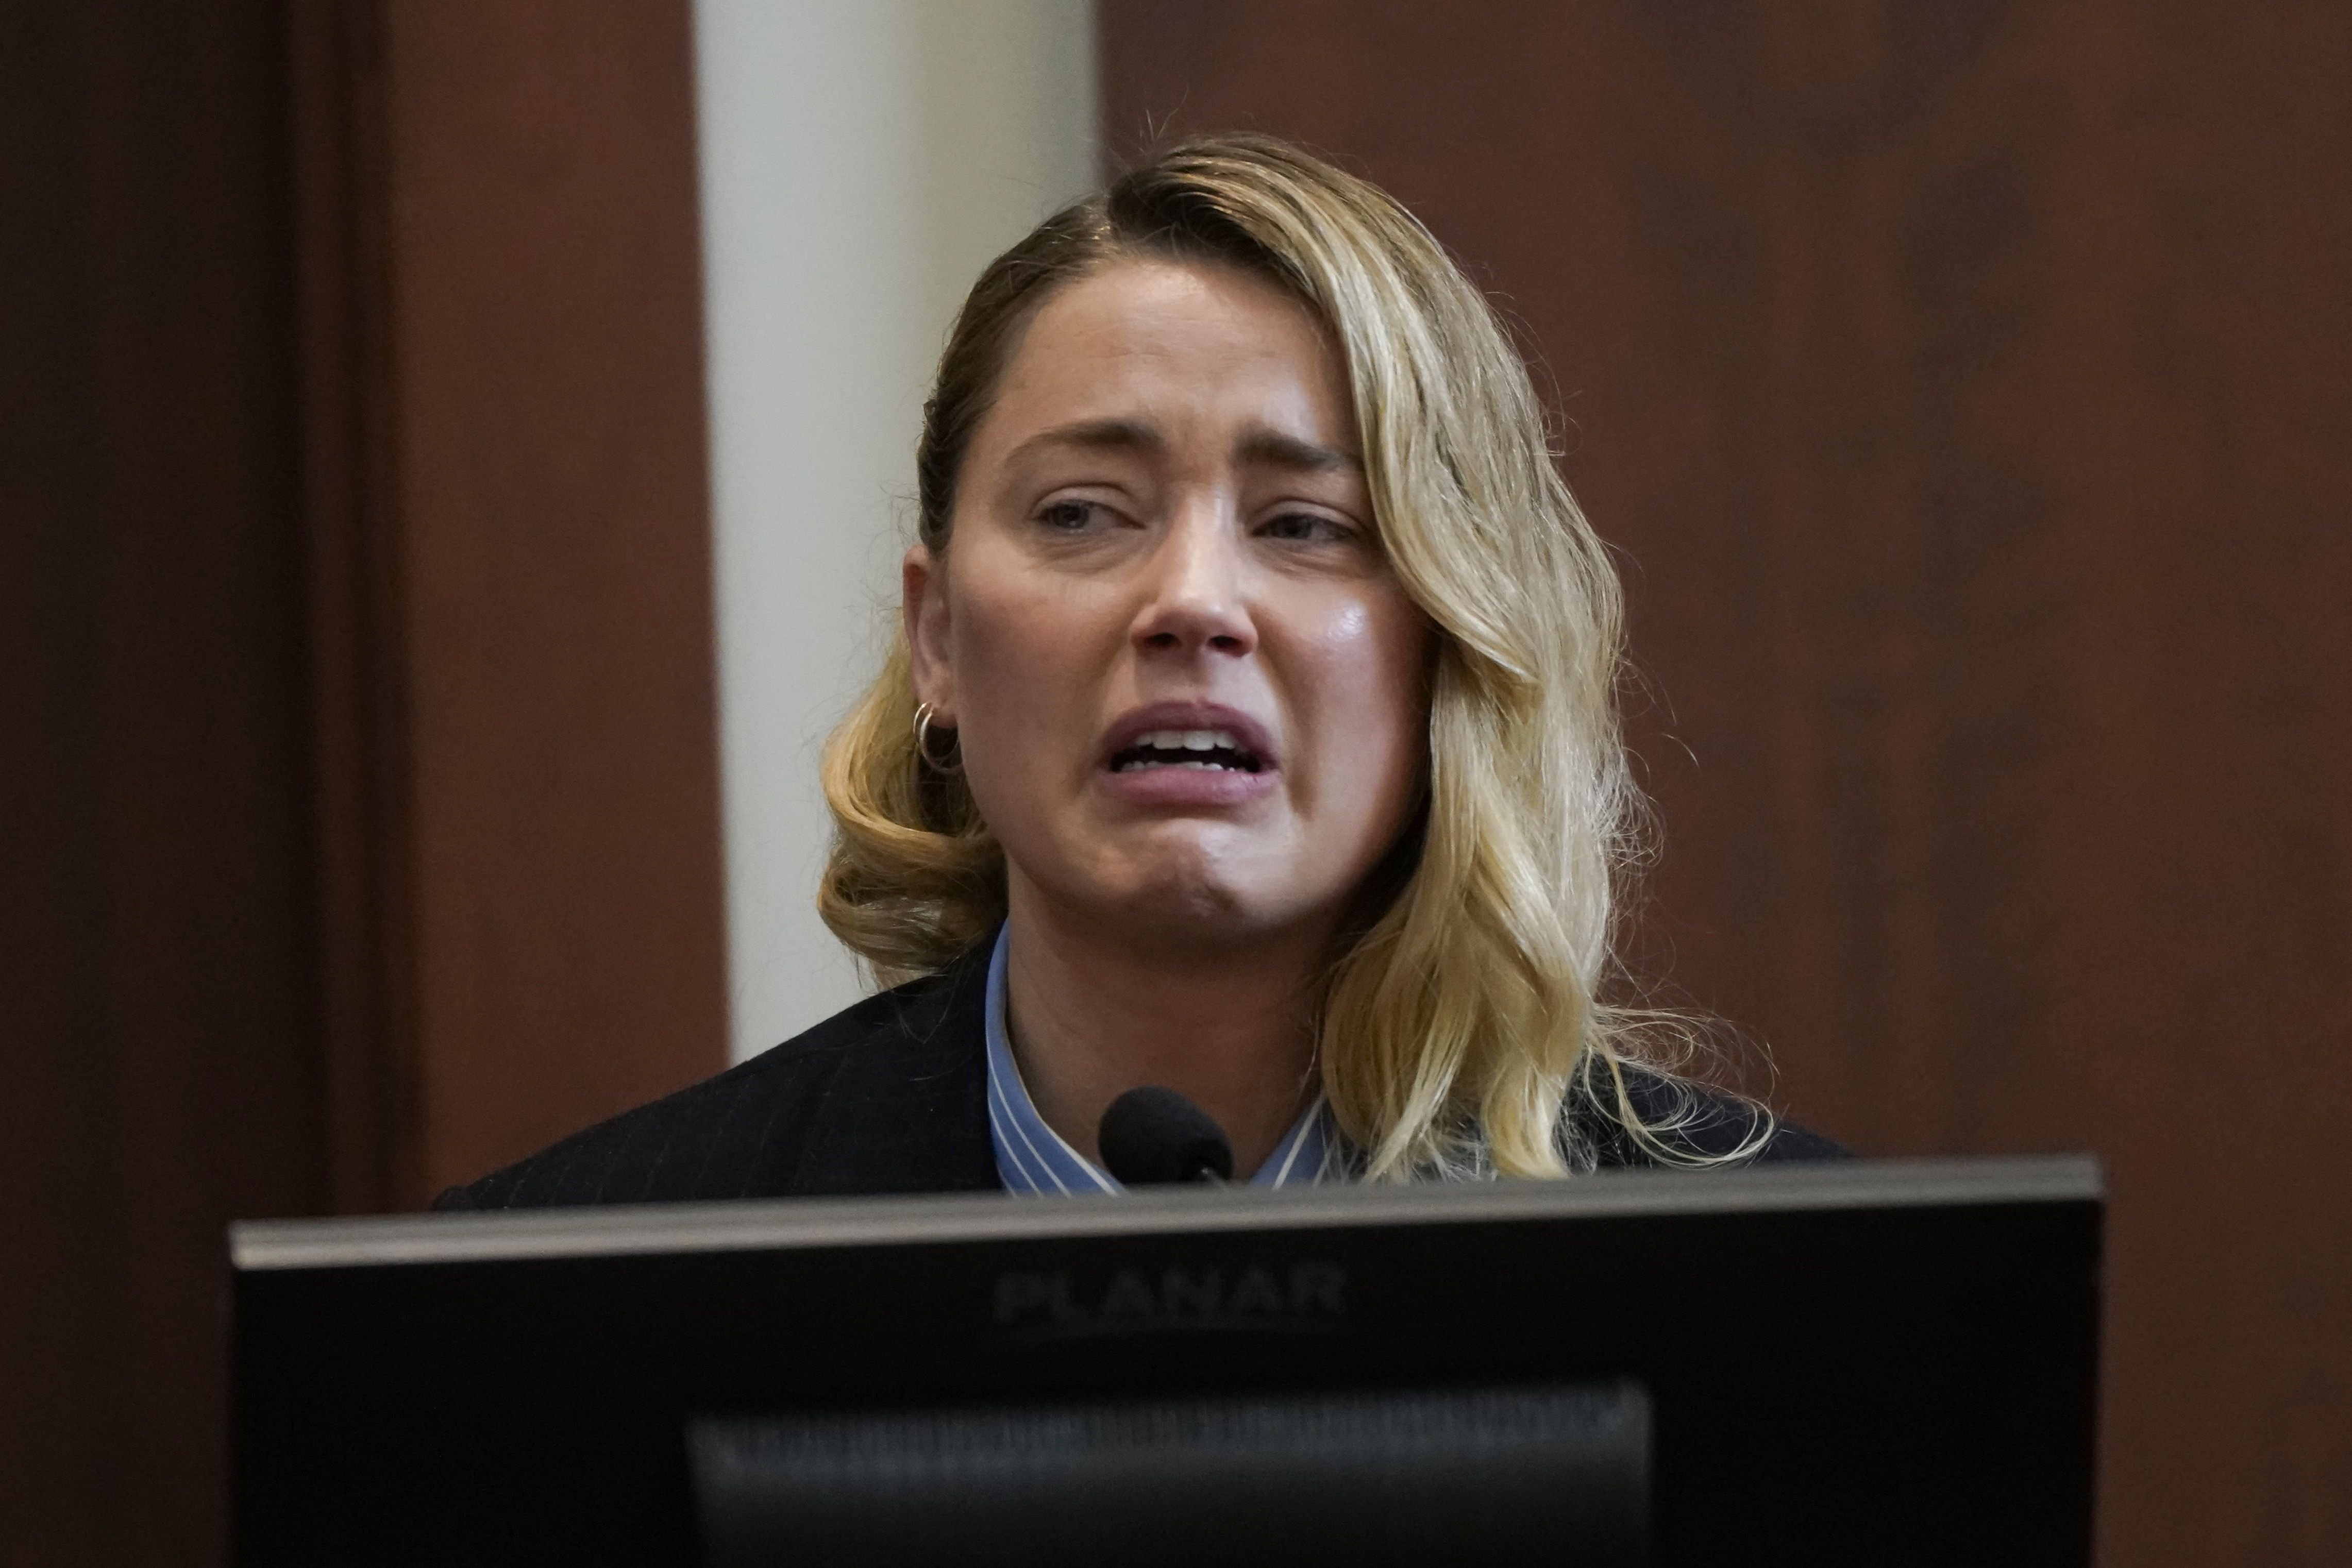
[1141, 349]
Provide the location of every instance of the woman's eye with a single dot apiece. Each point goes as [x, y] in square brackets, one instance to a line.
[1068, 517]
[1306, 528]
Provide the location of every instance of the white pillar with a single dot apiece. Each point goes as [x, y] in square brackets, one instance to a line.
[861, 161]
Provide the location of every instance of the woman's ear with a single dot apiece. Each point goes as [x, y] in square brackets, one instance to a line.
[923, 602]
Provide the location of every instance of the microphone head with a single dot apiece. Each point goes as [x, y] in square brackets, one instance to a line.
[1155, 1135]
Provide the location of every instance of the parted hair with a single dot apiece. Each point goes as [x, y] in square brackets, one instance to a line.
[1462, 1031]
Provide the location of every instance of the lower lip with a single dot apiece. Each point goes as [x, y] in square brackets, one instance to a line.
[1166, 788]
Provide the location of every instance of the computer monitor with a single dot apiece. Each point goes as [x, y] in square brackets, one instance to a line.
[1852, 1363]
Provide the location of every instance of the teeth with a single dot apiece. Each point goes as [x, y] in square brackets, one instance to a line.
[1159, 748]
[1187, 740]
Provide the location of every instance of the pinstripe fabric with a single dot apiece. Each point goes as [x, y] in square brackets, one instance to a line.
[887, 1096]
[1032, 1158]
[893, 1095]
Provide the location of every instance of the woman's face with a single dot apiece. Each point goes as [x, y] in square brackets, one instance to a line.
[1190, 692]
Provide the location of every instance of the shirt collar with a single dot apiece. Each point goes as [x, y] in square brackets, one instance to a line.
[1031, 1157]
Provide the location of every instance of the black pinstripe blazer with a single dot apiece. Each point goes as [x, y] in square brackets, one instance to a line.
[891, 1096]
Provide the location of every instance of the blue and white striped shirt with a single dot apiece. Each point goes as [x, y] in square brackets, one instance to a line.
[1031, 1157]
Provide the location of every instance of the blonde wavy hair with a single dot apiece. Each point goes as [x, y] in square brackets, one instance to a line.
[1462, 1031]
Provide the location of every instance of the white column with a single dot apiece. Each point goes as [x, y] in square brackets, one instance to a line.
[861, 161]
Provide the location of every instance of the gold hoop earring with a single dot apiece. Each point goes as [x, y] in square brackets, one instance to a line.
[923, 716]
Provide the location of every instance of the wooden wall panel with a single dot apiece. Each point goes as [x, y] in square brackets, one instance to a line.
[516, 665]
[552, 474]
[1966, 385]
[358, 775]
[157, 1074]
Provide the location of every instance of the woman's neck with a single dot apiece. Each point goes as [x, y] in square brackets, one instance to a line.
[1094, 1014]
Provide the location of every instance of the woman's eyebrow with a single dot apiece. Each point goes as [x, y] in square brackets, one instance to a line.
[1097, 434]
[1261, 446]
[1273, 449]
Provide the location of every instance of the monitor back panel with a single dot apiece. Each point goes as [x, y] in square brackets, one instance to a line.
[1844, 1365]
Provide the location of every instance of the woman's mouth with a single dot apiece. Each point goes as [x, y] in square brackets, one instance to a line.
[1190, 757]
[1192, 749]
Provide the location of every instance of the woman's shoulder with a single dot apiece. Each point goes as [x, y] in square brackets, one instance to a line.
[886, 1095]
[1684, 1122]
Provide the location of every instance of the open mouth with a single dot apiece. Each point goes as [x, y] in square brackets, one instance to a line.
[1186, 748]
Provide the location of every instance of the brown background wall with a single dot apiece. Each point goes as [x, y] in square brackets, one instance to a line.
[1966, 386]
[508, 483]
[359, 811]
[551, 474]
[156, 1069]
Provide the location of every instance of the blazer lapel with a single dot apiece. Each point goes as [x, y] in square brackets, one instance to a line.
[907, 1109]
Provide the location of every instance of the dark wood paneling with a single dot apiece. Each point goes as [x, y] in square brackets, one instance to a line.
[1966, 387]
[518, 765]
[358, 676]
[358, 814]
[157, 1075]
[551, 465]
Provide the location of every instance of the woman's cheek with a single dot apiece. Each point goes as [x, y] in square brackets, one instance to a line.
[1018, 687]
[1351, 628]
[1374, 652]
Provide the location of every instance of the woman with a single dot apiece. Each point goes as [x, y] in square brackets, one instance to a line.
[1250, 732]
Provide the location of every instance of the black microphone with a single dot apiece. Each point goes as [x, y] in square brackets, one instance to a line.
[1150, 1136]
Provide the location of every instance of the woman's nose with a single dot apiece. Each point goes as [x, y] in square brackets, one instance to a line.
[1193, 595]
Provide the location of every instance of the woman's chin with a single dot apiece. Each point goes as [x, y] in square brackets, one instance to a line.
[1191, 898]
[1191, 880]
